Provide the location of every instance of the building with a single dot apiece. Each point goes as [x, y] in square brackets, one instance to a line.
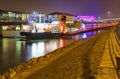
[11, 21]
[13, 16]
[63, 19]
[55, 22]
[59, 16]
[86, 18]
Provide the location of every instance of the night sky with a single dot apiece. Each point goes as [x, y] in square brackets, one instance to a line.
[76, 7]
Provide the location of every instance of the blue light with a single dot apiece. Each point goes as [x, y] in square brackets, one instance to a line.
[84, 35]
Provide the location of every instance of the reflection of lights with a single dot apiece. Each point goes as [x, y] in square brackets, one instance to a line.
[75, 38]
[62, 42]
[53, 44]
[41, 48]
[18, 48]
[34, 51]
[37, 49]
[84, 36]
[5, 45]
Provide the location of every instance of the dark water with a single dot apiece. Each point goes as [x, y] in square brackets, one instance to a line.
[13, 51]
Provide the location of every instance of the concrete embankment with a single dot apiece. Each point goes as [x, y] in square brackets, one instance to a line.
[108, 68]
[91, 58]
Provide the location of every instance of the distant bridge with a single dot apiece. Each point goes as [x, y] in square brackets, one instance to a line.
[102, 21]
[92, 22]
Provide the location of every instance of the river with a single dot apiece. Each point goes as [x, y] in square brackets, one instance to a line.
[13, 51]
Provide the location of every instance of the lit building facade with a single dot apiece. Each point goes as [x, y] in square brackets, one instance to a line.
[12, 16]
[59, 16]
[62, 18]
[49, 23]
[86, 18]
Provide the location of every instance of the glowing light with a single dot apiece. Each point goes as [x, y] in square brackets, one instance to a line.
[83, 26]
[36, 51]
[84, 36]
[62, 42]
[86, 18]
[62, 27]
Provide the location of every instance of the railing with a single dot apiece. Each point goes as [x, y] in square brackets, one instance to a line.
[99, 26]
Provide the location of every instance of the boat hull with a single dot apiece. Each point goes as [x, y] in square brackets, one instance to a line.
[33, 36]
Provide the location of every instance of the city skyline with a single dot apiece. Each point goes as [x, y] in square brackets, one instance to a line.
[76, 7]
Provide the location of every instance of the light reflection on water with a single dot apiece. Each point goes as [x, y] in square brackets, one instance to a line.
[40, 48]
[13, 51]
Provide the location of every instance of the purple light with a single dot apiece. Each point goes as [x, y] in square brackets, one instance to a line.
[86, 18]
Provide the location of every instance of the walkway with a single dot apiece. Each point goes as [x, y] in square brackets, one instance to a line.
[108, 66]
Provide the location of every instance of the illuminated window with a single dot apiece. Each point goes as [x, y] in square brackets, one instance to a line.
[17, 27]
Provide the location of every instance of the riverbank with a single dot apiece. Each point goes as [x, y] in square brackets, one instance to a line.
[80, 60]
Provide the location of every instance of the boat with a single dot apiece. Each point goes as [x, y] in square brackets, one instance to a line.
[43, 35]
